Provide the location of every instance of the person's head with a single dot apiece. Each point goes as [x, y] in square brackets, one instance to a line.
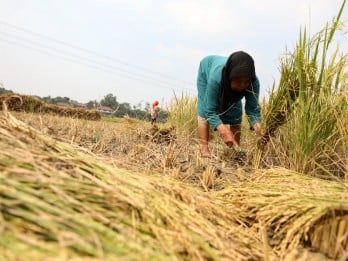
[240, 71]
[239, 84]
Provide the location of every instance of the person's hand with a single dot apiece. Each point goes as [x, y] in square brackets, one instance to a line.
[257, 128]
[227, 136]
[261, 132]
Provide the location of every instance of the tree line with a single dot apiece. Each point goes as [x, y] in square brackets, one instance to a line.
[125, 108]
[109, 100]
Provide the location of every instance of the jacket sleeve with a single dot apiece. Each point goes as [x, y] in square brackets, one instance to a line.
[252, 107]
[211, 101]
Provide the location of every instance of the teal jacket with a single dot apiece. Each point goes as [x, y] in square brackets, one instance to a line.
[208, 86]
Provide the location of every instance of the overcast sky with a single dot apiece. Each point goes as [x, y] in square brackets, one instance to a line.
[143, 50]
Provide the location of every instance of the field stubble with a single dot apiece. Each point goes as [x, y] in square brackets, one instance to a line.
[289, 214]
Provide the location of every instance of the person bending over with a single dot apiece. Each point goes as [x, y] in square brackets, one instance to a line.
[222, 83]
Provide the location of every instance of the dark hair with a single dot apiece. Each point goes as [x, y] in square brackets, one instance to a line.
[238, 64]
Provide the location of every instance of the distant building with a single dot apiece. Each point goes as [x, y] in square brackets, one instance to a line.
[77, 104]
[105, 110]
[63, 104]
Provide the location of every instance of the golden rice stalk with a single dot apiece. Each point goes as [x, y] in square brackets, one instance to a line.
[27, 103]
[57, 201]
[294, 209]
[18, 102]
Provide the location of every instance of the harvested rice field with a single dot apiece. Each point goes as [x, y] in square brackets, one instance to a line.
[77, 186]
[97, 190]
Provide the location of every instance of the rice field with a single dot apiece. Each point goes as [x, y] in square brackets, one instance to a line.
[102, 190]
[76, 188]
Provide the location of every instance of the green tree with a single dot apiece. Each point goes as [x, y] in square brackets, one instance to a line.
[3, 90]
[92, 104]
[123, 109]
[110, 101]
[47, 99]
[147, 107]
[61, 99]
[163, 115]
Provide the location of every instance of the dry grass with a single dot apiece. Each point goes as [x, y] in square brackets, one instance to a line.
[85, 205]
[127, 190]
[56, 201]
[294, 209]
[139, 146]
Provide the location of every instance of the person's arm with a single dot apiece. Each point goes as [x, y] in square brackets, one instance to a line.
[211, 101]
[252, 107]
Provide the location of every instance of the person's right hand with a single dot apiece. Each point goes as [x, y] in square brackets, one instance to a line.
[227, 136]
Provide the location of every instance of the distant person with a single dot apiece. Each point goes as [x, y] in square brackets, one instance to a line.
[154, 112]
[222, 83]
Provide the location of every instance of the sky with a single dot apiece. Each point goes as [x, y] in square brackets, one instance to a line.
[144, 50]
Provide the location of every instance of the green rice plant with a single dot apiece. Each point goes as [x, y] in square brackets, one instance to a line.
[342, 148]
[111, 119]
[310, 103]
[312, 138]
[303, 70]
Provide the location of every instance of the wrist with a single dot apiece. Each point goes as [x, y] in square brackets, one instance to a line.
[221, 127]
[257, 126]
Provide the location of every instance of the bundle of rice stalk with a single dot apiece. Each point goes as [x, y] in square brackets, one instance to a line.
[57, 201]
[19, 102]
[72, 112]
[93, 115]
[303, 71]
[294, 210]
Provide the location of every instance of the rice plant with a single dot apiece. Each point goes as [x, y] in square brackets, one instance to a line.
[183, 114]
[308, 106]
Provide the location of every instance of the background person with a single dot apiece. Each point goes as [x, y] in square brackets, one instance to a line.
[154, 112]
